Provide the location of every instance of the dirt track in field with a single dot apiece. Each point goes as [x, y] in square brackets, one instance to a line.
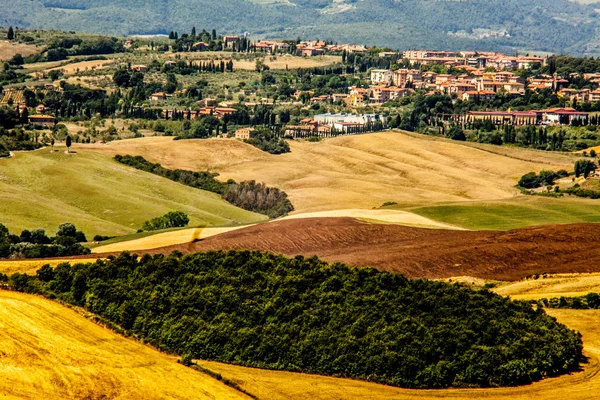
[421, 253]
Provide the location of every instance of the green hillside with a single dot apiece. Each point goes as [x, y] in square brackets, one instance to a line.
[549, 25]
[43, 189]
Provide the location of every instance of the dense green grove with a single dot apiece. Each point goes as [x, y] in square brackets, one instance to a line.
[172, 219]
[249, 195]
[36, 244]
[269, 311]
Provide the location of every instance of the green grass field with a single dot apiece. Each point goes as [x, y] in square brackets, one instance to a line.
[518, 212]
[42, 190]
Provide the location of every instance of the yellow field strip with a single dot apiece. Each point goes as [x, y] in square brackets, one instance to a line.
[556, 285]
[164, 239]
[379, 216]
[48, 351]
[10, 267]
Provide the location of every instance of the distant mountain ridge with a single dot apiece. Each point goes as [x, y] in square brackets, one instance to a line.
[559, 26]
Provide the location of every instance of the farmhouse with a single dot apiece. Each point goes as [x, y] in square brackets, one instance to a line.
[229, 41]
[244, 133]
[312, 51]
[46, 120]
[160, 96]
[139, 68]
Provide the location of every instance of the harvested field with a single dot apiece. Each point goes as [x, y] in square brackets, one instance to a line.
[556, 285]
[422, 253]
[51, 352]
[290, 62]
[10, 267]
[164, 239]
[9, 49]
[82, 66]
[362, 171]
[277, 385]
[378, 216]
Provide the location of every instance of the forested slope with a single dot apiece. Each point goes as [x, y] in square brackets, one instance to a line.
[553, 25]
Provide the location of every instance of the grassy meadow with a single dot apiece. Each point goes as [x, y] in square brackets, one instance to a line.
[513, 213]
[42, 189]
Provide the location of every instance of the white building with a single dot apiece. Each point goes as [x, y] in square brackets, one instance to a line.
[363, 119]
[381, 76]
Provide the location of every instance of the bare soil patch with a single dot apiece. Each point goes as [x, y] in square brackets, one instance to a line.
[421, 253]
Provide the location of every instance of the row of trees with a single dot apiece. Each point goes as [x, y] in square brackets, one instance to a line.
[36, 244]
[268, 311]
[247, 195]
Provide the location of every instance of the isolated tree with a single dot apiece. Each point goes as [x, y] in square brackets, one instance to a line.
[584, 167]
[68, 143]
[11, 34]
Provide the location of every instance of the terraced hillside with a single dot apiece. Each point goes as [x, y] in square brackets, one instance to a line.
[43, 189]
[357, 171]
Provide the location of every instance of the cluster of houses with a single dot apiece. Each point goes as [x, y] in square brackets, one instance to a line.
[307, 48]
[35, 116]
[550, 117]
[217, 112]
[477, 84]
[471, 59]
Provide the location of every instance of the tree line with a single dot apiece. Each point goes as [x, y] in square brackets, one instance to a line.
[304, 315]
[36, 244]
[248, 195]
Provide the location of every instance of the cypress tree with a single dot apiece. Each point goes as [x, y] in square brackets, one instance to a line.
[11, 34]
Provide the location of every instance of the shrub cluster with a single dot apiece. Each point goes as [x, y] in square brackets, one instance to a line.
[267, 140]
[531, 180]
[35, 244]
[248, 195]
[268, 311]
[173, 219]
[589, 301]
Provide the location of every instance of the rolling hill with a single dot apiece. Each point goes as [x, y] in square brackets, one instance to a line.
[362, 171]
[547, 25]
[42, 190]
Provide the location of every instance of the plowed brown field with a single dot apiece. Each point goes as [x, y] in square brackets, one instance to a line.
[422, 253]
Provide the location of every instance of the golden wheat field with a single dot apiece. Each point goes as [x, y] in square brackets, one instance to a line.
[9, 49]
[164, 239]
[362, 171]
[48, 351]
